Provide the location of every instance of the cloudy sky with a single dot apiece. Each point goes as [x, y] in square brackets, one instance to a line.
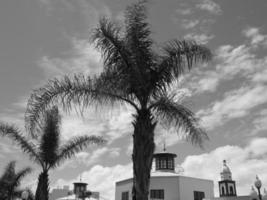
[43, 39]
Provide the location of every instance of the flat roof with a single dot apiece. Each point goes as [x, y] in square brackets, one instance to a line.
[164, 175]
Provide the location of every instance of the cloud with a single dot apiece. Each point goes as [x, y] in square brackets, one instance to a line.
[112, 123]
[199, 38]
[235, 104]
[239, 75]
[87, 159]
[188, 23]
[210, 6]
[102, 179]
[244, 162]
[255, 36]
[84, 58]
[260, 122]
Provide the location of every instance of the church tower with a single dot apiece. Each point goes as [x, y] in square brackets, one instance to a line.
[226, 184]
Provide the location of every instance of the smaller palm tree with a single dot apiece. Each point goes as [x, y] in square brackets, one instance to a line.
[45, 150]
[10, 181]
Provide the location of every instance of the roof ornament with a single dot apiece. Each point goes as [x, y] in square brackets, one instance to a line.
[164, 145]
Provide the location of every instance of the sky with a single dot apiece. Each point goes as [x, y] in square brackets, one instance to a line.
[44, 39]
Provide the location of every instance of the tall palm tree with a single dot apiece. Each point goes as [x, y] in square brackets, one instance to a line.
[137, 74]
[10, 181]
[47, 151]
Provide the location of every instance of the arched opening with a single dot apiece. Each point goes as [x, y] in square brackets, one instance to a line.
[223, 191]
[231, 190]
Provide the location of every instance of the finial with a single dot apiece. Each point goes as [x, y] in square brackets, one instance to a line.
[80, 178]
[224, 162]
[164, 146]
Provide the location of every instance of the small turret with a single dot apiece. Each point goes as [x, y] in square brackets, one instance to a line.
[165, 161]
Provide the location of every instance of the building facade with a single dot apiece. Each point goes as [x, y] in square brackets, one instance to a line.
[166, 184]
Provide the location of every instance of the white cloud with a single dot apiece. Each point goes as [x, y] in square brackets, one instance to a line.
[188, 24]
[210, 6]
[260, 122]
[232, 64]
[256, 37]
[199, 38]
[102, 179]
[87, 159]
[244, 162]
[235, 104]
[83, 59]
[110, 123]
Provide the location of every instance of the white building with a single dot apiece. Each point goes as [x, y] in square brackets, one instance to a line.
[166, 184]
[59, 192]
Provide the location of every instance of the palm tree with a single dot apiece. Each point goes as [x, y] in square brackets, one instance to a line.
[10, 181]
[137, 74]
[47, 152]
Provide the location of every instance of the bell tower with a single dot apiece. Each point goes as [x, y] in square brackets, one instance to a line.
[226, 184]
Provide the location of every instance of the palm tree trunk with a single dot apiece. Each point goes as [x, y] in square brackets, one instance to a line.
[143, 149]
[42, 191]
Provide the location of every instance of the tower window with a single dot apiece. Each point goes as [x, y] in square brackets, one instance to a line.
[170, 163]
[163, 164]
[157, 194]
[198, 195]
[125, 196]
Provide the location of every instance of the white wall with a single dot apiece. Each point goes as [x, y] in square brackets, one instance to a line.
[175, 187]
[123, 186]
[188, 185]
[168, 184]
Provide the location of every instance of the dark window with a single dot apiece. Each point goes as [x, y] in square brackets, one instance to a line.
[199, 195]
[231, 190]
[156, 194]
[157, 164]
[125, 196]
[223, 192]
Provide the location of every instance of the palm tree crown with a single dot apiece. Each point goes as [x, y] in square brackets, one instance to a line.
[137, 74]
[45, 150]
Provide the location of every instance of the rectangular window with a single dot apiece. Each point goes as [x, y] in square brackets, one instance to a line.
[163, 164]
[170, 164]
[157, 164]
[199, 195]
[156, 194]
[125, 196]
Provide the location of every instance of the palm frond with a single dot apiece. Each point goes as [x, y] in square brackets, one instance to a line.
[14, 134]
[9, 171]
[66, 92]
[106, 38]
[173, 114]
[76, 145]
[179, 56]
[138, 36]
[20, 175]
[49, 141]
[10, 180]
